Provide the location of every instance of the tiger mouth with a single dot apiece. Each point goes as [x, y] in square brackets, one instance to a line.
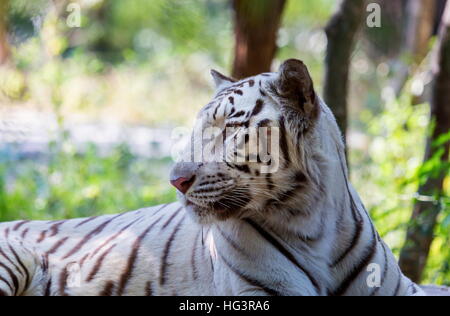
[228, 203]
[211, 207]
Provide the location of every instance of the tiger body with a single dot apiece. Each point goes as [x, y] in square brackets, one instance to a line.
[154, 251]
[108, 255]
[300, 230]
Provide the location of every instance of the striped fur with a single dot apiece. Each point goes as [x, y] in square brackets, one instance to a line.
[299, 231]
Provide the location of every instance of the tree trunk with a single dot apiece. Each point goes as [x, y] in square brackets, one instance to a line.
[440, 8]
[418, 30]
[256, 29]
[420, 234]
[341, 32]
[4, 45]
[385, 42]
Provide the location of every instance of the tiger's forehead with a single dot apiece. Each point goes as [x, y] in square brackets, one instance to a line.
[237, 98]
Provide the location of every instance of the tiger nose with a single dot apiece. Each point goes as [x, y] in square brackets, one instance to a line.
[183, 184]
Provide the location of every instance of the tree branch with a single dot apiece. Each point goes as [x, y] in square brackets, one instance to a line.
[256, 30]
[341, 32]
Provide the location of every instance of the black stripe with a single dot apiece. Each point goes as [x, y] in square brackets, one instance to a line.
[250, 280]
[399, 283]
[98, 264]
[63, 276]
[12, 276]
[171, 218]
[113, 237]
[262, 93]
[12, 263]
[300, 178]
[284, 197]
[341, 216]
[264, 123]
[238, 114]
[258, 107]
[42, 237]
[20, 224]
[356, 271]
[83, 259]
[275, 243]
[89, 236]
[149, 289]
[86, 221]
[160, 209]
[194, 252]
[164, 264]
[108, 289]
[232, 243]
[44, 263]
[48, 287]
[385, 271]
[234, 125]
[2, 279]
[55, 228]
[207, 107]
[55, 248]
[355, 240]
[132, 258]
[243, 168]
[283, 142]
[357, 219]
[24, 233]
[27, 275]
[414, 289]
[215, 111]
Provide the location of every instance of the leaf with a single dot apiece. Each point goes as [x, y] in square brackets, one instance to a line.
[441, 140]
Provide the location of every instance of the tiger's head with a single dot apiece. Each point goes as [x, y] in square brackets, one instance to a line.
[259, 148]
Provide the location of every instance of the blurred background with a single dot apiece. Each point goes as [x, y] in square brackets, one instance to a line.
[92, 90]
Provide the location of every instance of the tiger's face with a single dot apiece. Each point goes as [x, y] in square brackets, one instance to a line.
[254, 149]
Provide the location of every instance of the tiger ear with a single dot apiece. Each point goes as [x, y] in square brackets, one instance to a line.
[221, 81]
[295, 88]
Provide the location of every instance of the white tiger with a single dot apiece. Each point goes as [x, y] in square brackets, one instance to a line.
[301, 230]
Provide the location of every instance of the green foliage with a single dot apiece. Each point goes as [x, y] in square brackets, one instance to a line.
[67, 184]
[119, 30]
[389, 174]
